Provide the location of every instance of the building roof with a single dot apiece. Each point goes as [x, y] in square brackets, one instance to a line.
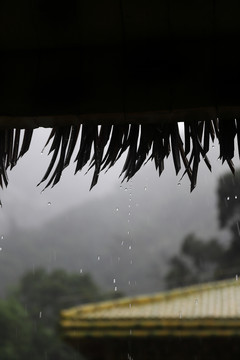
[211, 309]
[120, 63]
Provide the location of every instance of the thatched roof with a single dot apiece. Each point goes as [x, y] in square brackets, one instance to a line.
[135, 68]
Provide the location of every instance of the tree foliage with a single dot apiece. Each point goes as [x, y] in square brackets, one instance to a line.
[228, 196]
[196, 262]
[202, 260]
[29, 316]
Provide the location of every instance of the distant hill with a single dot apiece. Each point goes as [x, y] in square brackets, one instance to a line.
[123, 238]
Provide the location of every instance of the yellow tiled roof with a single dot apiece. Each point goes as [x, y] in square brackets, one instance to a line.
[202, 310]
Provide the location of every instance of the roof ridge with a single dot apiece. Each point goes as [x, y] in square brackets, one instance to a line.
[149, 298]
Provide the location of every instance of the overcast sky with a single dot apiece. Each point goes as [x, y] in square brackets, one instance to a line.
[24, 204]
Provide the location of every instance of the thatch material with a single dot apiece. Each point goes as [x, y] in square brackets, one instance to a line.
[114, 63]
[101, 146]
[141, 143]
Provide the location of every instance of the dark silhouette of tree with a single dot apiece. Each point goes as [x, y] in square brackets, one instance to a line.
[228, 193]
[197, 262]
[29, 317]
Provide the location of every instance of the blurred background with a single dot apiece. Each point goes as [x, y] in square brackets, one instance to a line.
[67, 245]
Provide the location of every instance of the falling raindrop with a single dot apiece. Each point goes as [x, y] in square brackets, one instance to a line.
[130, 247]
[98, 258]
[114, 281]
[0, 249]
[2, 237]
[145, 188]
[129, 214]
[228, 198]
[122, 243]
[115, 289]
[236, 277]
[81, 271]
[130, 332]
[129, 282]
[40, 314]
[235, 197]
[238, 228]
[117, 209]
[128, 232]
[49, 203]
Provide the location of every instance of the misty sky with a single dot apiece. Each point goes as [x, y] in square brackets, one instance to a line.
[24, 204]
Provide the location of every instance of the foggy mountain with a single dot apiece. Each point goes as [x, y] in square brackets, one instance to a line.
[123, 236]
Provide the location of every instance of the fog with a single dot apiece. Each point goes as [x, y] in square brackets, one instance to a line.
[122, 231]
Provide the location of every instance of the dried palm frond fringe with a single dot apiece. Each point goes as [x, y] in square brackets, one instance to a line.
[101, 146]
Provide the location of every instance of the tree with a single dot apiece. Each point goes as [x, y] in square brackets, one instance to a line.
[197, 262]
[228, 193]
[29, 317]
[15, 331]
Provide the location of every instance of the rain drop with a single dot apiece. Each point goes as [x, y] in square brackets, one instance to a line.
[125, 189]
[130, 247]
[122, 243]
[228, 198]
[129, 214]
[236, 277]
[145, 188]
[128, 232]
[2, 237]
[115, 289]
[81, 271]
[117, 209]
[0, 249]
[98, 258]
[49, 203]
[114, 281]
[235, 197]
[40, 314]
